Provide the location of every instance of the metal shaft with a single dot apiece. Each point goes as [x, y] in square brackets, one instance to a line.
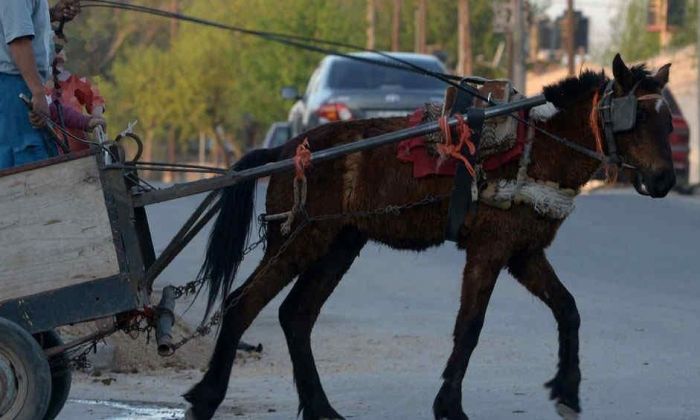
[196, 187]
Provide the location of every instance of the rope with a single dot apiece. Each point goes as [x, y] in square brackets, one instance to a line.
[302, 160]
[449, 149]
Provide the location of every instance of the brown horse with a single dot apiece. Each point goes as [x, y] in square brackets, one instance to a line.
[494, 238]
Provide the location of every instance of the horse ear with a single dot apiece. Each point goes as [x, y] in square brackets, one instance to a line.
[662, 75]
[623, 75]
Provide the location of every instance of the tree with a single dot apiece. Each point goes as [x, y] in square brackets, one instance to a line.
[631, 39]
[207, 80]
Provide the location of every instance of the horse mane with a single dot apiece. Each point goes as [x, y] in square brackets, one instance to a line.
[643, 75]
[566, 93]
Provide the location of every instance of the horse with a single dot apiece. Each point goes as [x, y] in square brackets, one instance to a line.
[494, 238]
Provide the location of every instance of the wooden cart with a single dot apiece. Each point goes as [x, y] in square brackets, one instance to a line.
[72, 249]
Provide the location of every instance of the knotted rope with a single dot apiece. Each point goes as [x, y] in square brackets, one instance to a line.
[448, 149]
[302, 161]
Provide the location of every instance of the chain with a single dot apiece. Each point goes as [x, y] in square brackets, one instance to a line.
[142, 321]
[215, 320]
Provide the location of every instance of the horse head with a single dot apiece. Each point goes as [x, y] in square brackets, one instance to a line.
[640, 119]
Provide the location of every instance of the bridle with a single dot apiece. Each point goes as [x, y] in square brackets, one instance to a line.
[618, 115]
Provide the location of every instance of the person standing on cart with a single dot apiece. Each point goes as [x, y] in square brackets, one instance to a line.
[25, 50]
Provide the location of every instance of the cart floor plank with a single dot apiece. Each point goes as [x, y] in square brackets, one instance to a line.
[54, 229]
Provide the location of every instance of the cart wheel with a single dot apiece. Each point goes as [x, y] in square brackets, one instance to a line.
[25, 378]
[61, 376]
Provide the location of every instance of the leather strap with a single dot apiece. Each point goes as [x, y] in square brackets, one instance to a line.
[461, 198]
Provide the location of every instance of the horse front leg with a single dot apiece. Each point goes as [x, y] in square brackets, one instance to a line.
[536, 273]
[480, 274]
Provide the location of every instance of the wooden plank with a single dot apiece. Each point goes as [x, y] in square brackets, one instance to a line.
[46, 162]
[54, 229]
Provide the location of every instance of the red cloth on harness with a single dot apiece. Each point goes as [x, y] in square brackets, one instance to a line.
[415, 151]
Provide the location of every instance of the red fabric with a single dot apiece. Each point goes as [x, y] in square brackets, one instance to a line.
[77, 96]
[414, 150]
[77, 92]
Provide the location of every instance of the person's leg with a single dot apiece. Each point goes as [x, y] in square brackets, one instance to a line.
[25, 143]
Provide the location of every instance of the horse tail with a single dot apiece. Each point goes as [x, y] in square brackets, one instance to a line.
[231, 230]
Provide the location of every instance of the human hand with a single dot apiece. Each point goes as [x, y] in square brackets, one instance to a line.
[40, 110]
[97, 122]
[65, 10]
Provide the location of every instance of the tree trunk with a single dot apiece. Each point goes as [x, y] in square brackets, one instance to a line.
[465, 40]
[421, 13]
[396, 27]
[371, 24]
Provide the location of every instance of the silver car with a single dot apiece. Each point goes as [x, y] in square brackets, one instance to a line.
[342, 89]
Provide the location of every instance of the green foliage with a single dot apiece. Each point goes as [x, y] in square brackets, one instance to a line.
[687, 32]
[203, 78]
[631, 39]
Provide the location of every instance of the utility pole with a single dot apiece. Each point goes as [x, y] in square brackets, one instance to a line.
[570, 37]
[421, 13]
[519, 69]
[464, 66]
[396, 27]
[171, 145]
[371, 24]
[664, 33]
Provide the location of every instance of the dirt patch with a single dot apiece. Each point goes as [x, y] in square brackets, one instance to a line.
[123, 353]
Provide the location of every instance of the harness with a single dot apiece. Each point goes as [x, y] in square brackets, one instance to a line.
[619, 115]
[610, 115]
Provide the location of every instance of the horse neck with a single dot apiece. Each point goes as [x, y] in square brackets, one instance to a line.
[553, 161]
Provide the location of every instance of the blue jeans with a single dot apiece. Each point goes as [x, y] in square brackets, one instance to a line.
[20, 143]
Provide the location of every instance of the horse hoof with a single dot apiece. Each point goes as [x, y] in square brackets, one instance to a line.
[327, 413]
[566, 412]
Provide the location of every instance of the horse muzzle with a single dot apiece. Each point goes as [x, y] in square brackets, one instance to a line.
[654, 184]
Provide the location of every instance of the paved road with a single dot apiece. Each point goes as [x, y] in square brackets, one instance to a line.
[632, 263]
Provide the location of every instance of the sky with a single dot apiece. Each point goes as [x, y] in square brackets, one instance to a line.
[599, 12]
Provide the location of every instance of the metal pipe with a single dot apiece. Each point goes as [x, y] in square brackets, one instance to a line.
[99, 334]
[196, 187]
[165, 319]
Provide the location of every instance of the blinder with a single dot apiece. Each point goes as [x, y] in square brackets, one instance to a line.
[618, 115]
[624, 113]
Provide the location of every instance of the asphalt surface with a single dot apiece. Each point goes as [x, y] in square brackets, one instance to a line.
[632, 263]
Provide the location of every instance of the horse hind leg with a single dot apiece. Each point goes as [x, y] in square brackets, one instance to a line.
[537, 275]
[299, 312]
[244, 304]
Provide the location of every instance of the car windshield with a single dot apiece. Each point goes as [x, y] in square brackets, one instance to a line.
[346, 74]
[280, 135]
